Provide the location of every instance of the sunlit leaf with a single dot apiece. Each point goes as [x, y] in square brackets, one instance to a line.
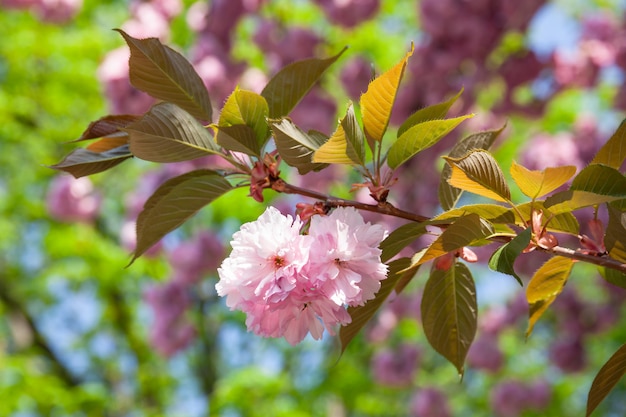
[449, 313]
[606, 379]
[420, 137]
[82, 162]
[434, 112]
[545, 285]
[346, 145]
[504, 257]
[377, 101]
[479, 173]
[537, 183]
[108, 143]
[167, 133]
[486, 211]
[237, 138]
[401, 238]
[247, 108]
[600, 179]
[107, 126]
[165, 74]
[449, 195]
[361, 315]
[175, 201]
[615, 238]
[465, 231]
[613, 152]
[295, 147]
[568, 201]
[290, 84]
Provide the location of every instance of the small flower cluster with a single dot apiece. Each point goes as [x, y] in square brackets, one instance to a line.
[290, 284]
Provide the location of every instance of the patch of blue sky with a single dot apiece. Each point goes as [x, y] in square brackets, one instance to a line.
[553, 28]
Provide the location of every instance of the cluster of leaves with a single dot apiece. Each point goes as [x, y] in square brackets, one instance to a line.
[180, 128]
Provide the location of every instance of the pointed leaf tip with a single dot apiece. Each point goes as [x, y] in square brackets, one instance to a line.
[166, 75]
[377, 102]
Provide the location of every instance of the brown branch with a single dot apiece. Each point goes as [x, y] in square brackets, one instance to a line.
[382, 208]
[604, 261]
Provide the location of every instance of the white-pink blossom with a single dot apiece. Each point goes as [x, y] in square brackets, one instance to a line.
[290, 284]
[345, 257]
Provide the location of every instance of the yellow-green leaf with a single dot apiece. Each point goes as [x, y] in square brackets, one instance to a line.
[346, 145]
[537, 183]
[613, 152]
[377, 101]
[448, 195]
[570, 200]
[420, 137]
[247, 108]
[606, 379]
[449, 312]
[434, 112]
[465, 231]
[400, 239]
[504, 257]
[486, 211]
[479, 173]
[545, 285]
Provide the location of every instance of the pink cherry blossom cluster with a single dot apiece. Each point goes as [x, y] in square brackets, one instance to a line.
[73, 200]
[291, 284]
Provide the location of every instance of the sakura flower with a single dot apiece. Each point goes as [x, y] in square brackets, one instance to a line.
[267, 256]
[345, 258]
[290, 284]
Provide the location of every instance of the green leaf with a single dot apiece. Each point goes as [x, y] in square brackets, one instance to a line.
[545, 285]
[292, 83]
[600, 179]
[570, 200]
[238, 138]
[503, 259]
[401, 238]
[167, 75]
[596, 184]
[434, 112]
[615, 238]
[449, 195]
[606, 379]
[465, 231]
[361, 315]
[613, 152]
[82, 162]
[537, 183]
[377, 101]
[346, 145]
[479, 173]
[175, 201]
[486, 211]
[247, 108]
[167, 133]
[449, 313]
[614, 277]
[295, 147]
[107, 126]
[420, 137]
